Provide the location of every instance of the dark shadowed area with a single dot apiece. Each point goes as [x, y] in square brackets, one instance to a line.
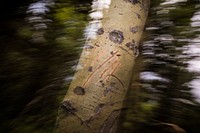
[40, 44]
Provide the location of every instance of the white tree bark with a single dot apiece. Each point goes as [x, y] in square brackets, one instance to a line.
[95, 97]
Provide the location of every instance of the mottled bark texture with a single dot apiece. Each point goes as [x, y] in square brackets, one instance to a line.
[94, 99]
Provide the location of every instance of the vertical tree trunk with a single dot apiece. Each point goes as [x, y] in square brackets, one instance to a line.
[94, 99]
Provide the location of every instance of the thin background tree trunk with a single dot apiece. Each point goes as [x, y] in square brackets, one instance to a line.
[95, 97]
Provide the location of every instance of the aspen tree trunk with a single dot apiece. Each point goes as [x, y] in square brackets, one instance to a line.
[95, 97]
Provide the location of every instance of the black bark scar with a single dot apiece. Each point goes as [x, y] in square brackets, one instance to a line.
[138, 15]
[135, 29]
[100, 31]
[79, 90]
[67, 106]
[88, 47]
[133, 1]
[99, 108]
[116, 36]
[133, 47]
[136, 2]
[90, 69]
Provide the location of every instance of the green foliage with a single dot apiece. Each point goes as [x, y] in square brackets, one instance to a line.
[157, 102]
[32, 73]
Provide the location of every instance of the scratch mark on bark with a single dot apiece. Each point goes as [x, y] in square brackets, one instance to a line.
[104, 72]
[98, 99]
[117, 79]
[96, 59]
[125, 50]
[101, 65]
[110, 69]
[115, 67]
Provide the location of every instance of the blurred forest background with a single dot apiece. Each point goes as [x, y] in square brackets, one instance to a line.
[40, 44]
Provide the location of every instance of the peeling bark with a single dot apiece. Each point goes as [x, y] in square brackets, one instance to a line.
[95, 97]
